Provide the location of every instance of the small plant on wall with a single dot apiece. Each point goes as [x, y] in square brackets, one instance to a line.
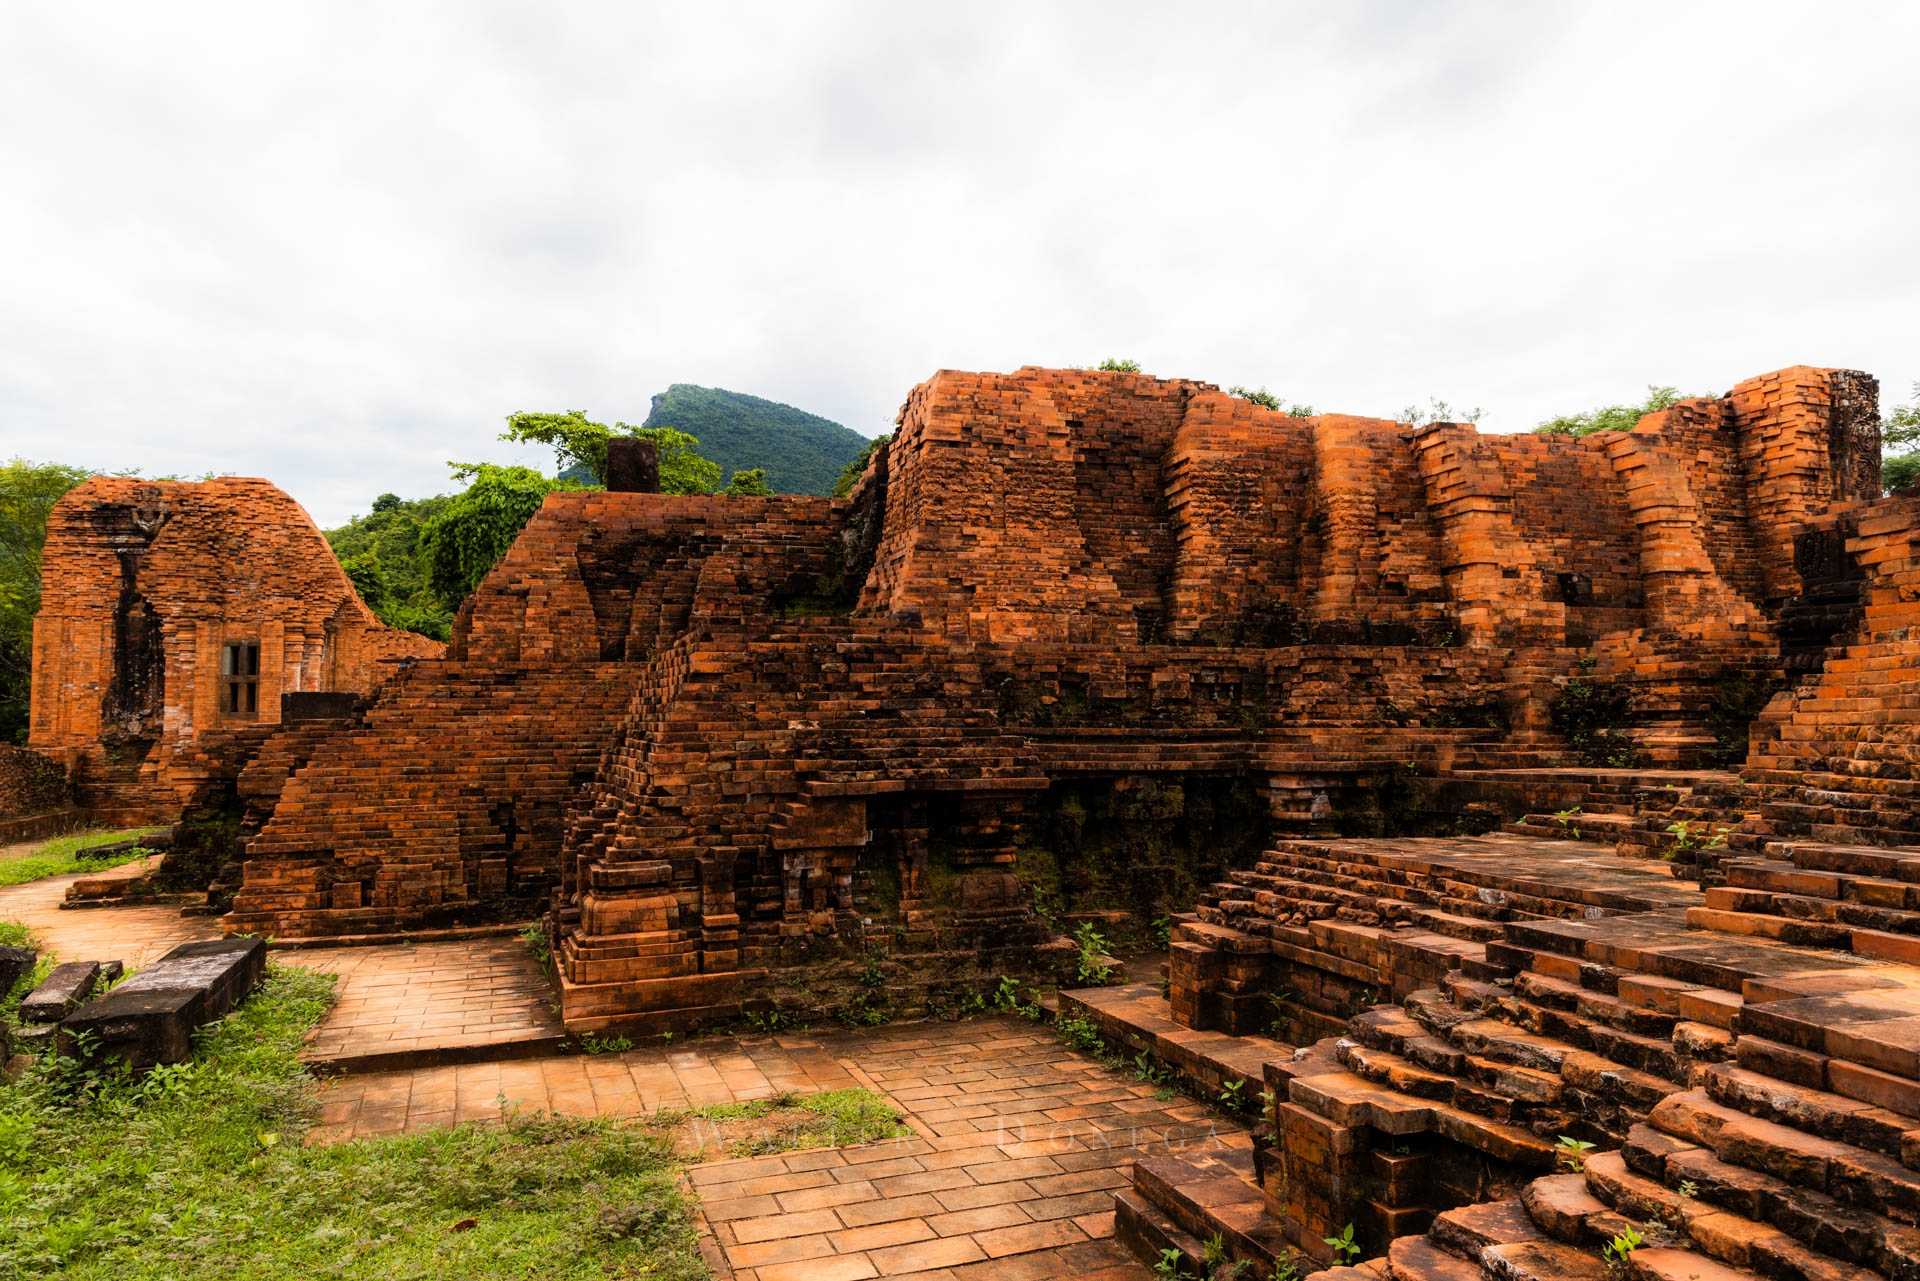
[1592, 715]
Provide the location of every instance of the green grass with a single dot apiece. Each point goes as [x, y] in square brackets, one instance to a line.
[200, 1170]
[833, 1119]
[59, 856]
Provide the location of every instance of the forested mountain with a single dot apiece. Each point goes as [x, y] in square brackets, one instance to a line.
[801, 452]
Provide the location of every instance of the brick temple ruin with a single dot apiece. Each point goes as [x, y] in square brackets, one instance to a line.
[1498, 787]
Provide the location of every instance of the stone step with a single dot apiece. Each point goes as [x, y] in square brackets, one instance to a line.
[1892, 863]
[1833, 910]
[1852, 1175]
[1212, 1194]
[1346, 1098]
[1739, 1242]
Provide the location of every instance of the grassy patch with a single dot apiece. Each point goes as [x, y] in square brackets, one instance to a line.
[61, 855]
[783, 1123]
[200, 1170]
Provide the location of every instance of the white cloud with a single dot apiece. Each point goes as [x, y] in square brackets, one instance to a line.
[335, 244]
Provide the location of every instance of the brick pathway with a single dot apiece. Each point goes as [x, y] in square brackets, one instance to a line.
[1019, 1143]
[136, 935]
[400, 1001]
[467, 997]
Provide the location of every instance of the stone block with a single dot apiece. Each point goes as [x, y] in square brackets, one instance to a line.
[150, 1018]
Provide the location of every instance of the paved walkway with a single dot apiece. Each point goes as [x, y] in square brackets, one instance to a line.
[137, 935]
[418, 1000]
[465, 998]
[1019, 1144]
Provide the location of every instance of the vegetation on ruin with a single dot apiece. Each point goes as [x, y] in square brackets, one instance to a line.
[1592, 715]
[1118, 365]
[1612, 417]
[857, 467]
[28, 492]
[65, 854]
[1900, 446]
[1267, 400]
[1439, 411]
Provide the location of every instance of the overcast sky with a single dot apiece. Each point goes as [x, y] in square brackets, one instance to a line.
[335, 244]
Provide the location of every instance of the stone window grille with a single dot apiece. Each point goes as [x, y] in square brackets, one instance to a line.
[240, 678]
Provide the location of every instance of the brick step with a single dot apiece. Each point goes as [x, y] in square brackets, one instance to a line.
[1888, 862]
[1822, 909]
[1150, 1233]
[1346, 1098]
[1748, 1245]
[1862, 941]
[1854, 1176]
[1856, 1121]
[1662, 944]
[1604, 1007]
[1207, 1195]
[1500, 1091]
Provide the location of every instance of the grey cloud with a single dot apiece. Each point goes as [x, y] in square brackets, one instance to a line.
[335, 244]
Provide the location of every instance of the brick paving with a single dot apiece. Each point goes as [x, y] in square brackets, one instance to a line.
[405, 1000]
[477, 996]
[1018, 1144]
[136, 935]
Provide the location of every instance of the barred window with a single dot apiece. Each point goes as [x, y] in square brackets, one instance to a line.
[240, 678]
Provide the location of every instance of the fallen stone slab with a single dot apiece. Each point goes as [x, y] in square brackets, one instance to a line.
[151, 1018]
[60, 993]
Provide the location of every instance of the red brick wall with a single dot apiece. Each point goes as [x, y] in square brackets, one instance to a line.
[210, 562]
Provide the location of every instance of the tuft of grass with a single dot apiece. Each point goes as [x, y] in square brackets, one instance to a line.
[61, 856]
[200, 1170]
[832, 1119]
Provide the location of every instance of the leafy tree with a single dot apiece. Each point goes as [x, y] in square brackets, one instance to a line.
[1439, 411]
[28, 492]
[579, 444]
[1267, 400]
[751, 483]
[856, 468]
[1900, 446]
[1612, 417]
[381, 554]
[1119, 365]
[468, 536]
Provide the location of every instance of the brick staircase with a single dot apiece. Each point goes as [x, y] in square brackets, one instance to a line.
[1633, 812]
[1751, 1089]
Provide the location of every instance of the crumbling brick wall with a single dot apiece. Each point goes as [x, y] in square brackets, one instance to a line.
[744, 742]
[144, 583]
[30, 783]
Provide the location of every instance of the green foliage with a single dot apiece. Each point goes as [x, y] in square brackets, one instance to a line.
[1344, 1246]
[593, 1044]
[1118, 365]
[1091, 969]
[1439, 411]
[28, 492]
[1572, 1153]
[381, 553]
[1267, 400]
[1900, 446]
[1612, 417]
[751, 483]
[578, 443]
[1621, 1247]
[1286, 1267]
[468, 536]
[61, 856]
[1171, 1264]
[857, 467]
[1213, 1251]
[1078, 1033]
[200, 1170]
[1692, 837]
[802, 453]
[1233, 1095]
[1590, 715]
